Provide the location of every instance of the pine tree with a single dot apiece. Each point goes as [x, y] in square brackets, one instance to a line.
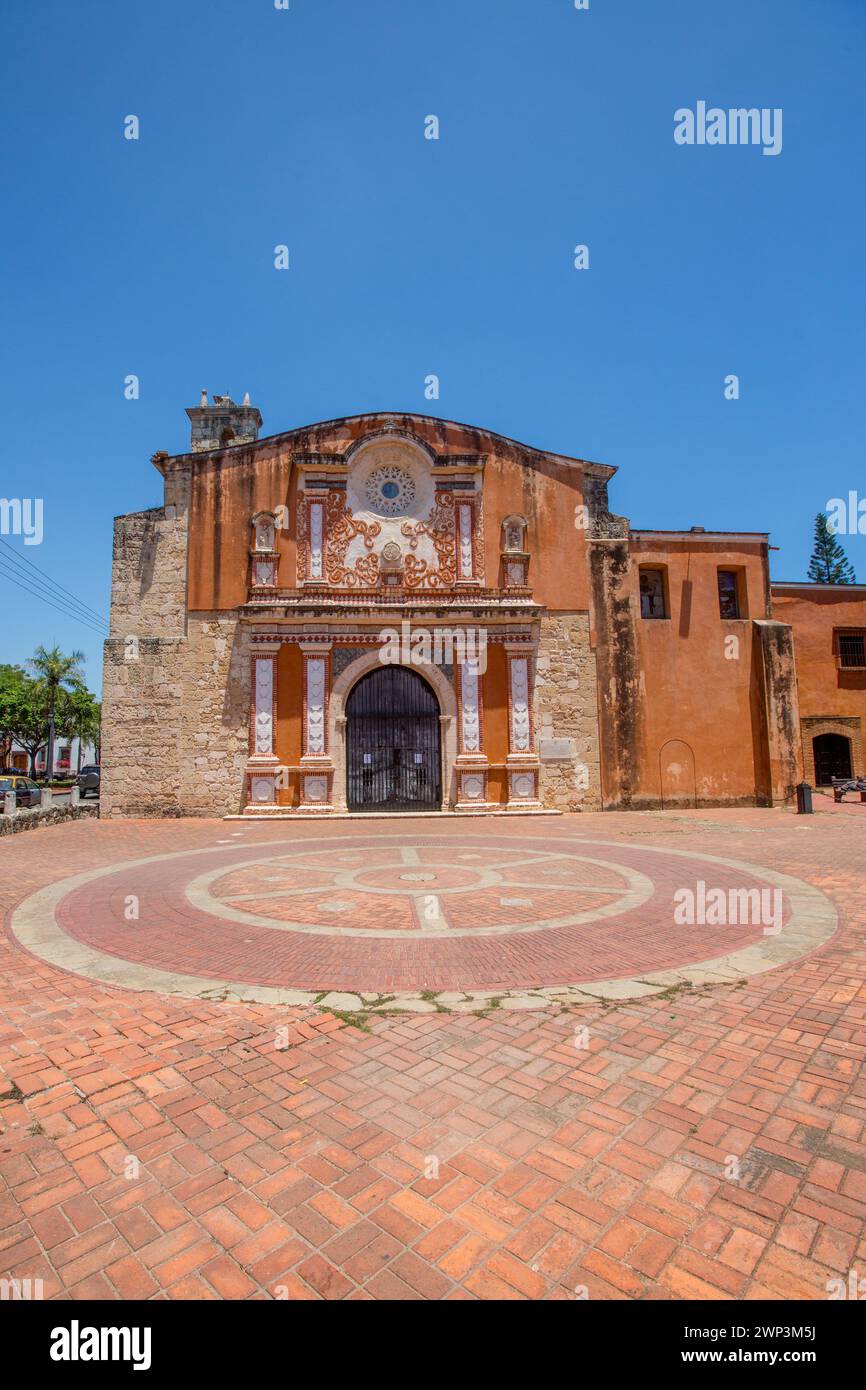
[829, 563]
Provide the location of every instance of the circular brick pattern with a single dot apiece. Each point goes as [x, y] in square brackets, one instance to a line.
[428, 889]
[413, 913]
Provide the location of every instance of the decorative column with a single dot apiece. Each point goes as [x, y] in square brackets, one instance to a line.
[472, 762]
[317, 540]
[317, 767]
[464, 525]
[262, 762]
[522, 762]
[312, 533]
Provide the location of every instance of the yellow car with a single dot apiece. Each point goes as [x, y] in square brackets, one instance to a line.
[26, 791]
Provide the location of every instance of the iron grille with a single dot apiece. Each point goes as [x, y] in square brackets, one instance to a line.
[393, 746]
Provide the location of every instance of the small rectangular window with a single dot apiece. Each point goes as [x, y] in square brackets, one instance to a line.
[852, 649]
[652, 594]
[729, 599]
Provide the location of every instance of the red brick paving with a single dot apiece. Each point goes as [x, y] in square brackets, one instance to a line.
[442, 1155]
[172, 934]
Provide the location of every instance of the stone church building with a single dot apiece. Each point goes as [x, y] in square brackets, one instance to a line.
[391, 612]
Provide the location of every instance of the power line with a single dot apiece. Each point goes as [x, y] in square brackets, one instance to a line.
[17, 556]
[42, 590]
[67, 612]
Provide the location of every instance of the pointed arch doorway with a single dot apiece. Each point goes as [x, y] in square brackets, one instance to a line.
[393, 743]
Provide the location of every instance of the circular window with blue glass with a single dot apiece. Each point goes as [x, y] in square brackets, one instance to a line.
[390, 491]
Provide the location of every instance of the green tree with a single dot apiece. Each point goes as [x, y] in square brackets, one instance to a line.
[829, 563]
[55, 672]
[78, 716]
[31, 727]
[13, 700]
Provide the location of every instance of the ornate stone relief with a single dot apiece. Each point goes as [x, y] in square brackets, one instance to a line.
[464, 521]
[523, 786]
[316, 788]
[264, 721]
[317, 522]
[389, 499]
[262, 789]
[419, 573]
[472, 785]
[520, 728]
[342, 530]
[316, 672]
[469, 709]
[390, 491]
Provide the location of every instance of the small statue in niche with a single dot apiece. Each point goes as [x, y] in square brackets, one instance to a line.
[514, 529]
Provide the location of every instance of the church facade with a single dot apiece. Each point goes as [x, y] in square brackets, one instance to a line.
[395, 613]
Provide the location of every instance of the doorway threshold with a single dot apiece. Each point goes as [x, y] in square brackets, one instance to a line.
[326, 816]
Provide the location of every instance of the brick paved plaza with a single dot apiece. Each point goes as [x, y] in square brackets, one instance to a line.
[433, 1058]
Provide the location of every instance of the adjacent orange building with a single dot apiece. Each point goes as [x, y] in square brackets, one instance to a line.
[391, 612]
[829, 624]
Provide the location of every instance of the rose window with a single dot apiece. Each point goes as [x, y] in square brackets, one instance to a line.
[390, 491]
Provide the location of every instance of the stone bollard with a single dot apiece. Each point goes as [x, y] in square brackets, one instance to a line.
[9, 799]
[46, 799]
[74, 796]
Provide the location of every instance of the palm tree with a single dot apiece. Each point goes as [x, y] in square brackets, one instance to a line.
[56, 672]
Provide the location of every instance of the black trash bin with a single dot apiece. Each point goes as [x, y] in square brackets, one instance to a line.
[804, 799]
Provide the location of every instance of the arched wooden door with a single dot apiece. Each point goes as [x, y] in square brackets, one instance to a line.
[393, 743]
[832, 757]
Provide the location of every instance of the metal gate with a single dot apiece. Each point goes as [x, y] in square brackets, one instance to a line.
[393, 752]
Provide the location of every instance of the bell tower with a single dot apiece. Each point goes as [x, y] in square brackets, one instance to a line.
[223, 424]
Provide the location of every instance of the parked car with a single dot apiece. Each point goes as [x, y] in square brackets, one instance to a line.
[88, 780]
[26, 791]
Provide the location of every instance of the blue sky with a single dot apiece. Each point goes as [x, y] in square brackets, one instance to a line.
[411, 256]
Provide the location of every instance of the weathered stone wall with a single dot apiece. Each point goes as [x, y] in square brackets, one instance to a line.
[32, 818]
[566, 713]
[140, 726]
[781, 710]
[177, 727]
[176, 688]
[144, 657]
[619, 682]
[215, 715]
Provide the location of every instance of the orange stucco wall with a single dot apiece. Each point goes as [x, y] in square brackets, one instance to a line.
[699, 732]
[495, 719]
[815, 613]
[229, 488]
[693, 708]
[289, 716]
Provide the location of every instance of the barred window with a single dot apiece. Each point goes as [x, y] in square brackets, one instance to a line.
[852, 649]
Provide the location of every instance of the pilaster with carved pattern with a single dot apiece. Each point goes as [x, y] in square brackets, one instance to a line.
[522, 765]
[262, 762]
[317, 768]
